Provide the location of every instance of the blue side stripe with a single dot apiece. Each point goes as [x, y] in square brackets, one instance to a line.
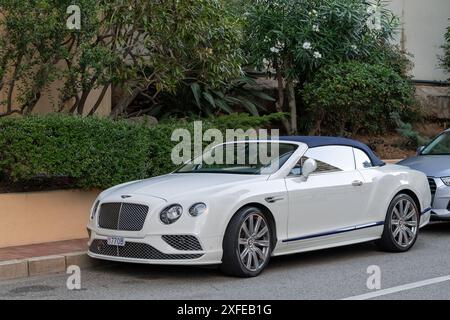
[426, 210]
[343, 230]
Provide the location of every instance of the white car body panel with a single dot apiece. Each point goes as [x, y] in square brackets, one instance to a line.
[324, 211]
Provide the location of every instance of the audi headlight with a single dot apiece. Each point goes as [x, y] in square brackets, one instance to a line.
[197, 209]
[446, 181]
[94, 209]
[171, 214]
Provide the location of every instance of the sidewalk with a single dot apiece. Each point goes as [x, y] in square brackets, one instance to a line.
[44, 258]
[42, 249]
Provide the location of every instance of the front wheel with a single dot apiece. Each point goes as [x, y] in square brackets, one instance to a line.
[247, 243]
[401, 227]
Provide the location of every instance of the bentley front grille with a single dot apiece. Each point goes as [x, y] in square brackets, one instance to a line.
[122, 216]
[183, 242]
[136, 250]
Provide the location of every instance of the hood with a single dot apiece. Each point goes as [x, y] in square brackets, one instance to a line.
[432, 166]
[180, 184]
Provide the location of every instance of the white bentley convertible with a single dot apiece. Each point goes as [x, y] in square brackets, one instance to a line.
[314, 193]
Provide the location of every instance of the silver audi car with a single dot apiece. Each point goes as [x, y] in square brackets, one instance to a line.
[434, 160]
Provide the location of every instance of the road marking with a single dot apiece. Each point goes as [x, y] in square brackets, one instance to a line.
[404, 287]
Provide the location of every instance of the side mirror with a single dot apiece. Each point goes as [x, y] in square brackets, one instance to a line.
[419, 150]
[309, 166]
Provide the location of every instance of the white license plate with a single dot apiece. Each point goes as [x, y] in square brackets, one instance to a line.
[116, 241]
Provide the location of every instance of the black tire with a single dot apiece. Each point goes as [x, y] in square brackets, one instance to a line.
[232, 263]
[390, 240]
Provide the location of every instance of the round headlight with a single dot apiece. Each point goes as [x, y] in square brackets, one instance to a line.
[171, 214]
[197, 209]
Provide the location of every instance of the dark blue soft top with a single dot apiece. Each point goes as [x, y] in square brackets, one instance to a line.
[318, 141]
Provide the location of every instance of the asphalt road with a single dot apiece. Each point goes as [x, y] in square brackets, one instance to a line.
[328, 274]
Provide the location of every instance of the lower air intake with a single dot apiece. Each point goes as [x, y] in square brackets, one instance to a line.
[136, 250]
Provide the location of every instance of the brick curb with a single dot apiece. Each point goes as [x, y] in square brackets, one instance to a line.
[15, 269]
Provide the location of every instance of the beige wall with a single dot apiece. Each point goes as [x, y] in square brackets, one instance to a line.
[37, 217]
[49, 100]
[424, 24]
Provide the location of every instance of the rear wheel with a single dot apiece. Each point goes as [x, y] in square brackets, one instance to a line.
[401, 227]
[247, 243]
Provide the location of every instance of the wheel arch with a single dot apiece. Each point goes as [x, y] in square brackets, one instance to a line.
[268, 214]
[413, 195]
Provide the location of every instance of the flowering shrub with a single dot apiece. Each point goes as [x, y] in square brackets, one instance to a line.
[297, 37]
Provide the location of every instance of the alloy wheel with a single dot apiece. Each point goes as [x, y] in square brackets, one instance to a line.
[404, 222]
[254, 242]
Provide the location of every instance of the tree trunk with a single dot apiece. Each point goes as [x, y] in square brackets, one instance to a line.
[12, 84]
[82, 102]
[99, 100]
[124, 102]
[290, 88]
[280, 101]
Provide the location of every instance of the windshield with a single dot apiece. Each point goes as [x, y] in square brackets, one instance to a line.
[439, 146]
[255, 158]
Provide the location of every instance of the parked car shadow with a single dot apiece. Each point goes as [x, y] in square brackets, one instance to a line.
[299, 260]
[438, 227]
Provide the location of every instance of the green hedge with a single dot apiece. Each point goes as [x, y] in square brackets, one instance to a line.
[95, 152]
[355, 97]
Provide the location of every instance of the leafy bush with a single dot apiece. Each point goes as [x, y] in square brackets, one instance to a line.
[197, 98]
[392, 57]
[355, 96]
[95, 152]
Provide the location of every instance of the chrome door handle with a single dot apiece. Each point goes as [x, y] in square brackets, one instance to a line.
[357, 183]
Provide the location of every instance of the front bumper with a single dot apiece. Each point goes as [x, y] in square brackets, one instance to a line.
[441, 201]
[152, 249]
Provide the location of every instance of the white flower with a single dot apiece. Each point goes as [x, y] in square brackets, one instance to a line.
[314, 12]
[315, 28]
[372, 9]
[279, 45]
[317, 55]
[307, 45]
[274, 50]
[354, 47]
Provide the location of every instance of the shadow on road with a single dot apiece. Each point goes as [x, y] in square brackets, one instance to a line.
[297, 261]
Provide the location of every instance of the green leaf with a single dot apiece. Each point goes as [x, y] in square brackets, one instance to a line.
[224, 106]
[196, 91]
[209, 98]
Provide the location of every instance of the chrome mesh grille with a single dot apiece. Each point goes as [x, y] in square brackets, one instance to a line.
[136, 250]
[183, 242]
[122, 216]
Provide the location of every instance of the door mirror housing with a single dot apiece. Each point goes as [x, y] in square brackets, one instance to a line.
[419, 150]
[309, 166]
